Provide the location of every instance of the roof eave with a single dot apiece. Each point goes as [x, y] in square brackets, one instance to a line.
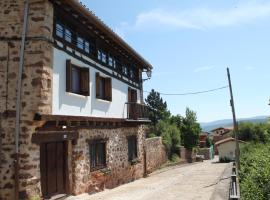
[87, 13]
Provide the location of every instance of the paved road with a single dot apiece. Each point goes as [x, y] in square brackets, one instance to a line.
[194, 181]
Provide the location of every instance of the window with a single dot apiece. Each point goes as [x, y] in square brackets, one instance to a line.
[86, 47]
[103, 88]
[97, 154]
[111, 61]
[131, 73]
[132, 148]
[132, 95]
[63, 32]
[80, 43]
[77, 79]
[104, 57]
[59, 30]
[68, 35]
[125, 70]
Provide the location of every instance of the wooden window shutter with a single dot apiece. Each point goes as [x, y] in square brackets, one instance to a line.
[84, 81]
[97, 85]
[68, 76]
[108, 89]
[134, 96]
[129, 94]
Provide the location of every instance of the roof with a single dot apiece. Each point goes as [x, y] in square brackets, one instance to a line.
[219, 128]
[227, 140]
[93, 19]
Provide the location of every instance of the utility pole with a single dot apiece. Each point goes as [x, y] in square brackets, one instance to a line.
[235, 125]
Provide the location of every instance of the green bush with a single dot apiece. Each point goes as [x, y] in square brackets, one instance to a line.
[175, 158]
[254, 132]
[170, 136]
[151, 135]
[255, 172]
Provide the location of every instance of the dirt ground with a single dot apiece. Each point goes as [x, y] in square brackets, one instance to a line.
[193, 181]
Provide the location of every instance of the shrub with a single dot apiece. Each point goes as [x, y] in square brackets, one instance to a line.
[255, 172]
[170, 136]
[151, 135]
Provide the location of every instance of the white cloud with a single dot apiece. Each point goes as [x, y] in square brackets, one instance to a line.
[200, 18]
[201, 69]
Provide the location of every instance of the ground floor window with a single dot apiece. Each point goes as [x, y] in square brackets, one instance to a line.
[132, 148]
[97, 154]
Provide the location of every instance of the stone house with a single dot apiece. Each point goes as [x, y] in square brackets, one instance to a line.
[78, 124]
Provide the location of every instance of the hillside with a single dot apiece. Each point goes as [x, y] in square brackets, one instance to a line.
[229, 123]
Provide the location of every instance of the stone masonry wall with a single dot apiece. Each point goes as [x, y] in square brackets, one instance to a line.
[36, 90]
[119, 170]
[155, 153]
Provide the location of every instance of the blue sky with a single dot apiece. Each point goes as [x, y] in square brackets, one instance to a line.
[191, 42]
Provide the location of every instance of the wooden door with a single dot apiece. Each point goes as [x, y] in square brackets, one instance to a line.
[132, 99]
[53, 157]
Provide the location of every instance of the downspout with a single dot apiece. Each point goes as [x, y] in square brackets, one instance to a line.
[18, 101]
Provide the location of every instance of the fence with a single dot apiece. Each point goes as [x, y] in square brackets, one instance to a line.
[234, 191]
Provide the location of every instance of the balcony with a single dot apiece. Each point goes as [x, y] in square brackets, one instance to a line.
[136, 111]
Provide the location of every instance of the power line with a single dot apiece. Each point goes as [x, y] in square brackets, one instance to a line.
[191, 93]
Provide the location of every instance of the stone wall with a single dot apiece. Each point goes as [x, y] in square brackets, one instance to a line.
[155, 153]
[119, 170]
[205, 152]
[36, 90]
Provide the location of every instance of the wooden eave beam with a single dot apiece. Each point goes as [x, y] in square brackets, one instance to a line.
[45, 117]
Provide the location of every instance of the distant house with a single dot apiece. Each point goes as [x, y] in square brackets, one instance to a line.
[219, 134]
[221, 130]
[202, 139]
[226, 148]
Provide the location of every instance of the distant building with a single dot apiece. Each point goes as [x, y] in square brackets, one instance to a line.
[219, 134]
[202, 139]
[226, 148]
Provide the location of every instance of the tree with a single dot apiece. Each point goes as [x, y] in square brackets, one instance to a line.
[158, 107]
[170, 136]
[190, 130]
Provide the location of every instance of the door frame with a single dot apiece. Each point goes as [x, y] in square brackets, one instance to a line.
[69, 138]
[43, 170]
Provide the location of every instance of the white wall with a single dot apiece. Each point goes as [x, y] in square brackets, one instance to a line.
[77, 105]
[227, 150]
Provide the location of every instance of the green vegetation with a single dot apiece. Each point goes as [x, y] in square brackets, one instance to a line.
[254, 132]
[158, 107]
[175, 130]
[255, 171]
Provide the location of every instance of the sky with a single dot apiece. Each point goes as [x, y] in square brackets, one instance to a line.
[190, 43]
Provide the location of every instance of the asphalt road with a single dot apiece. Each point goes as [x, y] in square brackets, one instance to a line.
[194, 181]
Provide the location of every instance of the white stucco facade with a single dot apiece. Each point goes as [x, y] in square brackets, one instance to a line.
[65, 103]
[227, 150]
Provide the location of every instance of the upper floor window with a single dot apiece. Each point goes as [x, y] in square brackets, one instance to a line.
[125, 70]
[110, 61]
[102, 56]
[77, 79]
[103, 88]
[63, 32]
[59, 30]
[83, 44]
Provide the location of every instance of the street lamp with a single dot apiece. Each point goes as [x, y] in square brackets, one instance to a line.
[149, 75]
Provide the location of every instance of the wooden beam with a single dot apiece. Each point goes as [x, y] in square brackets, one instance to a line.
[54, 136]
[46, 117]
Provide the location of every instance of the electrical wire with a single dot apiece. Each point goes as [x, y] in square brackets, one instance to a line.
[191, 93]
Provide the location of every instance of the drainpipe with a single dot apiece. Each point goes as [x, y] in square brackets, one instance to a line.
[18, 100]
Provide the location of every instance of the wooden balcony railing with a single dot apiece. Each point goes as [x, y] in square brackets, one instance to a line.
[136, 111]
